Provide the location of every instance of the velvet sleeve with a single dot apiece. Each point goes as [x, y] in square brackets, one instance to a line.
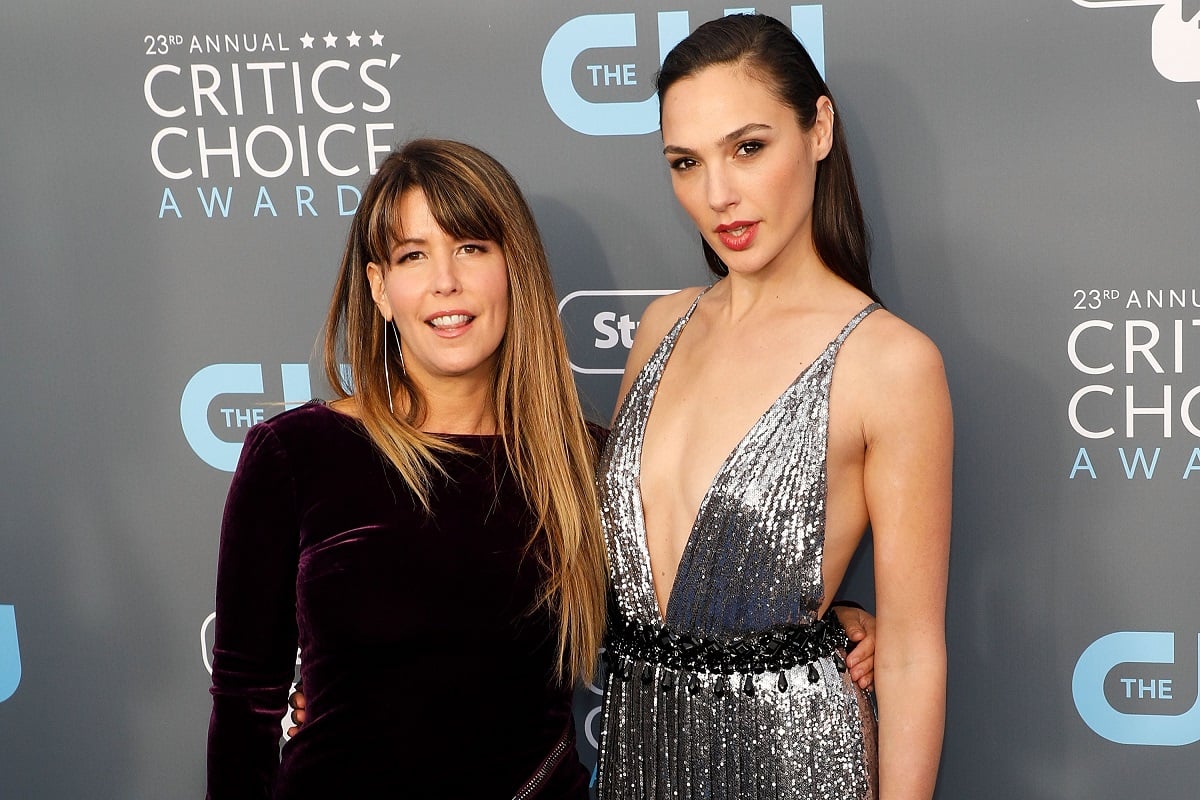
[254, 655]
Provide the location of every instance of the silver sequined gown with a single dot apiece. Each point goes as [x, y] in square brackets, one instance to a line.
[752, 562]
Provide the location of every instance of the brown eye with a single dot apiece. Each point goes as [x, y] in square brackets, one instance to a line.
[749, 148]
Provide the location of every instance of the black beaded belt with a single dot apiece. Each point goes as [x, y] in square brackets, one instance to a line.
[774, 650]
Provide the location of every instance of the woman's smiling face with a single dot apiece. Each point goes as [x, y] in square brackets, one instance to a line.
[447, 296]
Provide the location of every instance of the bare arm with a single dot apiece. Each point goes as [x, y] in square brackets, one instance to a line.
[907, 485]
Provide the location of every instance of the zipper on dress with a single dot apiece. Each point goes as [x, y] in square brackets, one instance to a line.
[548, 765]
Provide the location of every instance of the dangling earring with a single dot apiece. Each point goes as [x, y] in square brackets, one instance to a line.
[387, 379]
[399, 352]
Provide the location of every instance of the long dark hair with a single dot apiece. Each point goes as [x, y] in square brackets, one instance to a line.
[773, 55]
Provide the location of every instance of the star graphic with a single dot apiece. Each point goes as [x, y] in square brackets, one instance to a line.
[376, 38]
[353, 39]
[307, 41]
[330, 39]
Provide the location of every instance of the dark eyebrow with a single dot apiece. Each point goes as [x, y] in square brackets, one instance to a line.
[728, 138]
[407, 241]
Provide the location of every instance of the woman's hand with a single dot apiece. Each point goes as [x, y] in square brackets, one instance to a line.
[860, 629]
[296, 701]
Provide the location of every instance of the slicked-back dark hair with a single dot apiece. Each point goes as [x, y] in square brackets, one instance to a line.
[768, 51]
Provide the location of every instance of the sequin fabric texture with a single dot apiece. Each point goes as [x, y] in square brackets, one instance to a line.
[752, 563]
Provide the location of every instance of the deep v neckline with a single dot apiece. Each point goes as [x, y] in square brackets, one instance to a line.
[669, 342]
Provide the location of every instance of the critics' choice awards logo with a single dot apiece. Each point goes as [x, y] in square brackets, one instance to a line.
[600, 83]
[259, 125]
[1136, 408]
[1174, 35]
[1128, 688]
[10, 653]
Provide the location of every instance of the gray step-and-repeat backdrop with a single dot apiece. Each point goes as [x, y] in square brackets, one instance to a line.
[175, 184]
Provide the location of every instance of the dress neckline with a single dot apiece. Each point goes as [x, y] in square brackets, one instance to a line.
[466, 437]
[668, 344]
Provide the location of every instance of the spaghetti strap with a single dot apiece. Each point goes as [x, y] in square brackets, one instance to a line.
[679, 727]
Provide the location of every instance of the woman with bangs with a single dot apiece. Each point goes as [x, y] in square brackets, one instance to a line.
[431, 539]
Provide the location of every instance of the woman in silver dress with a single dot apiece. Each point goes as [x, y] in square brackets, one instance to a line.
[730, 527]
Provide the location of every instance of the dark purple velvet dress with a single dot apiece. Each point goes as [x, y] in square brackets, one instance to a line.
[426, 670]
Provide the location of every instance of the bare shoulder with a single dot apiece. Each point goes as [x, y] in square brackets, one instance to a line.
[664, 312]
[895, 369]
[888, 348]
[656, 322]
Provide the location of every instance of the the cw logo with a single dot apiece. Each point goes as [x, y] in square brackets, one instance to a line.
[216, 380]
[1132, 647]
[592, 31]
[1174, 36]
[10, 653]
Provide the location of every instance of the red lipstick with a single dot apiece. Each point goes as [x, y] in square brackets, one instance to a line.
[737, 235]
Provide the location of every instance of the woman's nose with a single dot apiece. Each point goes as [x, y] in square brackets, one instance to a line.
[446, 279]
[720, 191]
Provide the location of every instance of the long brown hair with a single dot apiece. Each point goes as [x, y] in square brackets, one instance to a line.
[773, 55]
[535, 403]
